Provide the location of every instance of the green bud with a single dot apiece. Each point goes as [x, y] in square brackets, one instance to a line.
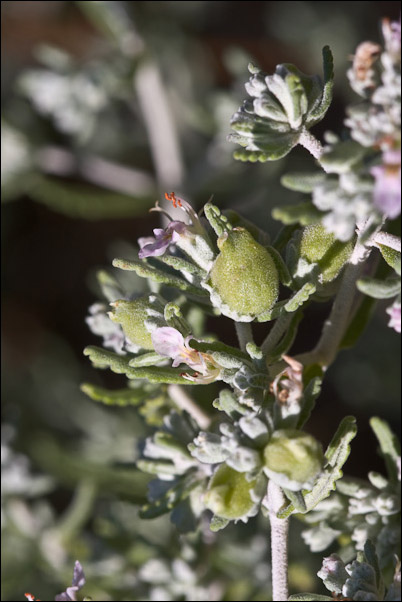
[132, 315]
[243, 280]
[319, 246]
[293, 459]
[229, 493]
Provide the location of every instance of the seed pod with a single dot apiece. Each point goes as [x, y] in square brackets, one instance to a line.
[244, 280]
[319, 246]
[132, 316]
[229, 493]
[293, 459]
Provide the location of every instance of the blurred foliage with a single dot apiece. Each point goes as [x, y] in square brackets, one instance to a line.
[77, 137]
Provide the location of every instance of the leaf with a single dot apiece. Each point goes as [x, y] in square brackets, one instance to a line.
[310, 394]
[302, 182]
[328, 66]
[182, 265]
[175, 319]
[218, 523]
[300, 297]
[281, 266]
[287, 340]
[389, 445]
[392, 257]
[85, 201]
[146, 359]
[307, 597]
[119, 397]
[379, 289]
[219, 222]
[337, 453]
[222, 348]
[146, 271]
[342, 157]
[302, 213]
[120, 364]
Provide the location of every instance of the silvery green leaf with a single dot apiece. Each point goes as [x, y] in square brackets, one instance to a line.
[146, 359]
[217, 523]
[300, 297]
[377, 480]
[117, 397]
[318, 112]
[302, 213]
[146, 271]
[207, 448]
[379, 289]
[342, 157]
[254, 428]
[389, 445]
[392, 257]
[333, 573]
[244, 459]
[319, 538]
[218, 221]
[227, 402]
[309, 598]
[310, 394]
[301, 181]
[175, 318]
[281, 266]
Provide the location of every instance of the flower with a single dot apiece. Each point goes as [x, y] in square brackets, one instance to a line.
[77, 583]
[288, 384]
[394, 312]
[170, 342]
[156, 246]
[387, 187]
[30, 597]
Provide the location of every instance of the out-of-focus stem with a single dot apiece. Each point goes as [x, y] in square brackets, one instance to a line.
[184, 402]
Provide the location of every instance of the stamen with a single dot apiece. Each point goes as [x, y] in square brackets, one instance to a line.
[160, 210]
[173, 199]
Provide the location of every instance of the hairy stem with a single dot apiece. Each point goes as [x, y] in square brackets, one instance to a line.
[389, 240]
[244, 334]
[279, 542]
[184, 402]
[276, 332]
[336, 325]
[309, 142]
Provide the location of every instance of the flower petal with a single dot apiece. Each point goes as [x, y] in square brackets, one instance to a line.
[168, 341]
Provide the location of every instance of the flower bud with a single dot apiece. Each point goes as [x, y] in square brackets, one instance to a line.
[131, 315]
[319, 246]
[229, 493]
[293, 459]
[243, 279]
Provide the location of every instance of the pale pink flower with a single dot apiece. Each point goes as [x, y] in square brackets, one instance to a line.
[387, 187]
[394, 311]
[288, 384]
[169, 342]
[77, 583]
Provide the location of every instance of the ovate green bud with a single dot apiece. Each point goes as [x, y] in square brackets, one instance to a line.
[229, 493]
[319, 246]
[293, 459]
[243, 279]
[132, 315]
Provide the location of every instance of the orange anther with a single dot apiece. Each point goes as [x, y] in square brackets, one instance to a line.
[172, 197]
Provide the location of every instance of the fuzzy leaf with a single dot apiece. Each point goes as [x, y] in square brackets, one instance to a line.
[222, 348]
[85, 201]
[307, 597]
[182, 265]
[146, 271]
[379, 289]
[119, 397]
[146, 359]
[300, 297]
[218, 523]
[302, 182]
[392, 257]
[218, 221]
[120, 364]
[342, 157]
[281, 266]
[310, 394]
[302, 213]
[175, 318]
[287, 340]
[328, 66]
[389, 445]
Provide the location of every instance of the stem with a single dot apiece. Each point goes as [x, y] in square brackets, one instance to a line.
[244, 334]
[184, 402]
[279, 542]
[276, 332]
[311, 143]
[335, 326]
[389, 240]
